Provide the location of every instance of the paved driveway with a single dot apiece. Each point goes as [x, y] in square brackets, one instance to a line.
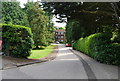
[66, 66]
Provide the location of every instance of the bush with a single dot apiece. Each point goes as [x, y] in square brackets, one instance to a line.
[116, 36]
[80, 45]
[17, 40]
[99, 47]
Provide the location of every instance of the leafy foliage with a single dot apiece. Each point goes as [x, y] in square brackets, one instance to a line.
[61, 27]
[17, 40]
[116, 36]
[39, 23]
[100, 48]
[90, 16]
[72, 33]
[13, 14]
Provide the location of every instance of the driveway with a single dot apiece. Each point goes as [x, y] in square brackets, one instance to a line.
[69, 64]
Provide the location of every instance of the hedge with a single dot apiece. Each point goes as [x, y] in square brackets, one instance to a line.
[99, 47]
[17, 40]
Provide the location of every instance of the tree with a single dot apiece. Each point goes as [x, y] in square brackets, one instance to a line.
[13, 14]
[116, 33]
[38, 22]
[116, 8]
[61, 27]
[72, 31]
[50, 28]
[91, 16]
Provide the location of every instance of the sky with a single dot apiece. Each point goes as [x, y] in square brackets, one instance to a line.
[22, 2]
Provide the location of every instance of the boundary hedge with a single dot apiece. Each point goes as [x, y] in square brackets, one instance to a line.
[17, 40]
[99, 47]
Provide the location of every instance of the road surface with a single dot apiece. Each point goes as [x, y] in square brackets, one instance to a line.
[67, 65]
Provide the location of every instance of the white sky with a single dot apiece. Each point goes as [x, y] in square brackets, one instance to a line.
[22, 2]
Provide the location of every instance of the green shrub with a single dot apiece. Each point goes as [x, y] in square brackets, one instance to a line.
[116, 36]
[17, 40]
[96, 42]
[108, 53]
[82, 44]
[99, 47]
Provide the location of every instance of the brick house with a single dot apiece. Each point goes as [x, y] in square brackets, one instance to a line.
[60, 35]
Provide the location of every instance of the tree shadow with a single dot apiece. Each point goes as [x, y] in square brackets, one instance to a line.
[38, 48]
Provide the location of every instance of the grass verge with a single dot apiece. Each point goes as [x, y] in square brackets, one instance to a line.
[37, 54]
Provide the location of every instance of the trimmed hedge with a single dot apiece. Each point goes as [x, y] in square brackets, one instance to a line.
[17, 40]
[99, 47]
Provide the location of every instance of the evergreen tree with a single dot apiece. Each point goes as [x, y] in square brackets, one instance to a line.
[50, 28]
[91, 16]
[13, 14]
[38, 23]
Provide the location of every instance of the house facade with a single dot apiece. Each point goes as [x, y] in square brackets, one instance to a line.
[60, 35]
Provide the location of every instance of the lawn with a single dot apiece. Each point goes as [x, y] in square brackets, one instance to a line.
[36, 54]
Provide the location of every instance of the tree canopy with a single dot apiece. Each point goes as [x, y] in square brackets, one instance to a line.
[13, 14]
[39, 23]
[91, 17]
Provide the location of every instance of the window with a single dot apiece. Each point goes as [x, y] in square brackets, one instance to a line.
[62, 32]
[58, 33]
[61, 36]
